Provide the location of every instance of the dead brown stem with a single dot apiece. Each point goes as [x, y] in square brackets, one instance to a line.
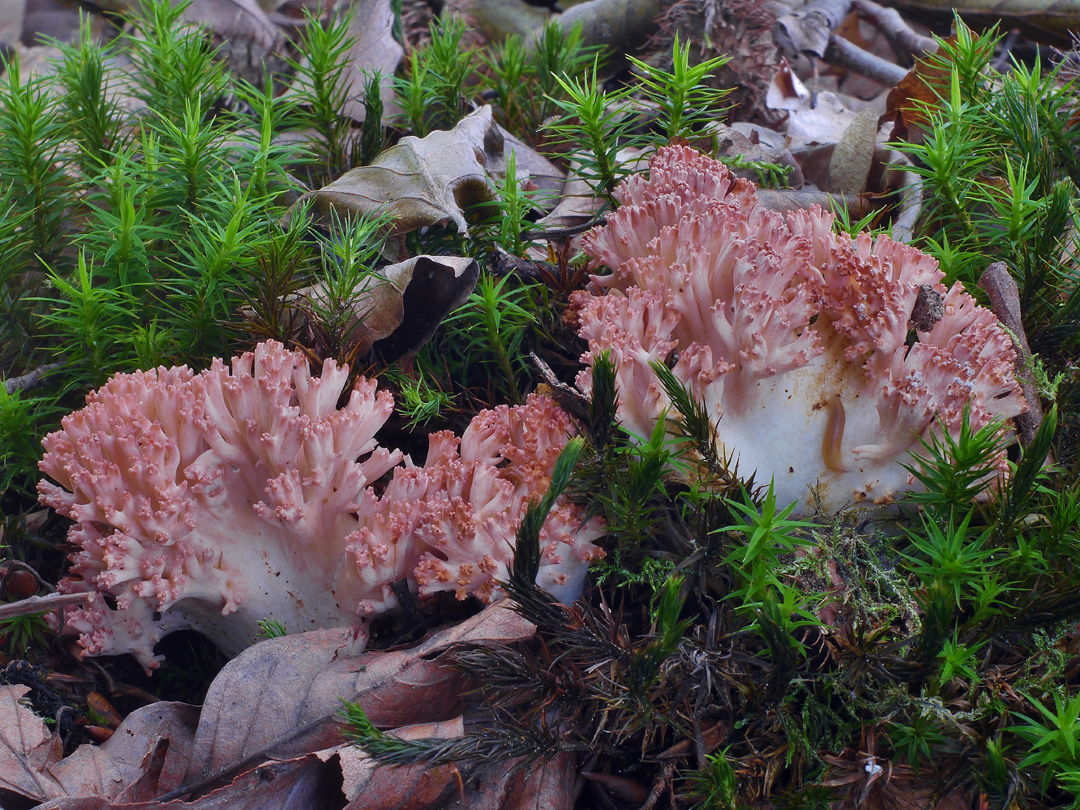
[32, 379]
[1004, 297]
[844, 52]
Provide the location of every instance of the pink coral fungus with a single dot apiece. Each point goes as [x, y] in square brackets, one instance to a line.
[213, 500]
[796, 338]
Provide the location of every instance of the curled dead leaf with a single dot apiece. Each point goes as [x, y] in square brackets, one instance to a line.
[420, 182]
[374, 49]
[428, 288]
[917, 94]
[398, 310]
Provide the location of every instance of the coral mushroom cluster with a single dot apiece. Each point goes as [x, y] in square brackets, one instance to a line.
[214, 500]
[799, 340]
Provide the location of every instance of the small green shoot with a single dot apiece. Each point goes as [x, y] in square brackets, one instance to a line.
[1055, 743]
[917, 740]
[767, 534]
[26, 632]
[271, 628]
[715, 786]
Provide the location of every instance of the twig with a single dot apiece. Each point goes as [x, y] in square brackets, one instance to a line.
[557, 233]
[572, 401]
[42, 604]
[910, 193]
[658, 788]
[110, 684]
[844, 52]
[31, 380]
[889, 22]
[136, 692]
[809, 28]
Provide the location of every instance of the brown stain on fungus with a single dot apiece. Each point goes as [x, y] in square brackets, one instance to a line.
[834, 436]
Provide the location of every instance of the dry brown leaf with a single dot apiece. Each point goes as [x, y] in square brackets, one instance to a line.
[421, 181]
[577, 206]
[786, 91]
[812, 117]
[281, 698]
[531, 165]
[138, 744]
[369, 787]
[851, 159]
[266, 716]
[825, 121]
[89, 771]
[518, 785]
[28, 750]
[304, 783]
[145, 757]
[917, 93]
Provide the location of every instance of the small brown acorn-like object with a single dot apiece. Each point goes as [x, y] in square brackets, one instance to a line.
[17, 583]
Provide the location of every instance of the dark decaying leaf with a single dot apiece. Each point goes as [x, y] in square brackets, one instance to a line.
[507, 785]
[433, 287]
[399, 309]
